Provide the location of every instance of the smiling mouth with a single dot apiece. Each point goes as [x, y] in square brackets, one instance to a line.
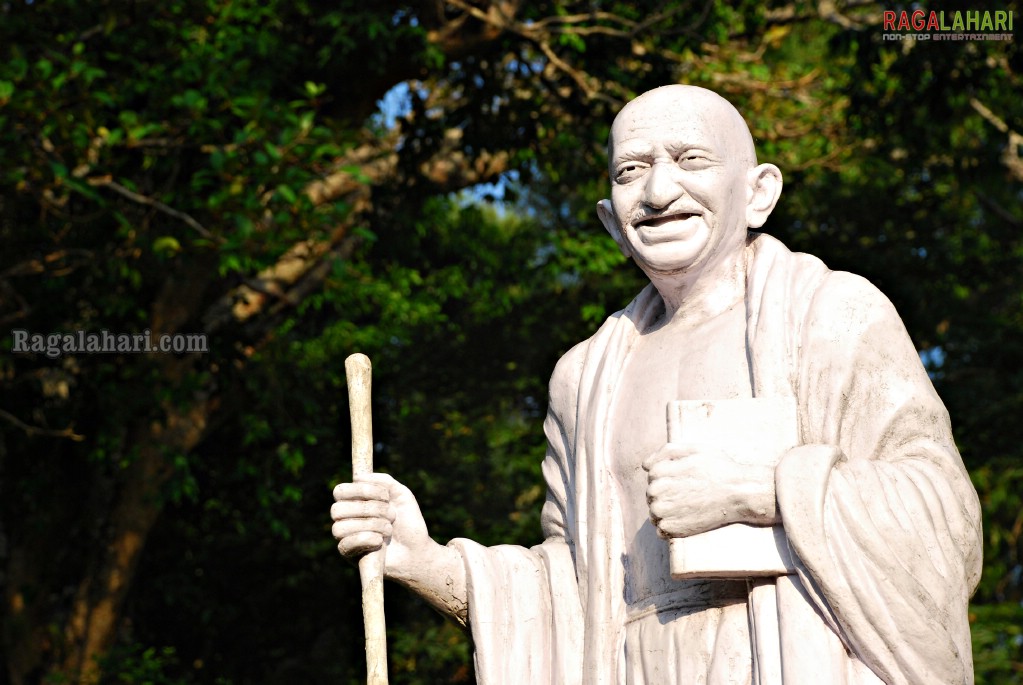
[660, 220]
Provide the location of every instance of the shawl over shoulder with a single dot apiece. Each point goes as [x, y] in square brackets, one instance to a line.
[876, 502]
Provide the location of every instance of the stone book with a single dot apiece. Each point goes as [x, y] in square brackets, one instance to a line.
[751, 431]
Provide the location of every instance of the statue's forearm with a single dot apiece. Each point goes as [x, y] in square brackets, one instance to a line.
[438, 576]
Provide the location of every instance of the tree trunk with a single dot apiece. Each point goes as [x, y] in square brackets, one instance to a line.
[96, 612]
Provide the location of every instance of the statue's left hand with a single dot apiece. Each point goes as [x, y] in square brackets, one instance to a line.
[693, 488]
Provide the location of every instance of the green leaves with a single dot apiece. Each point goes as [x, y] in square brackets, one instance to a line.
[167, 246]
[191, 100]
[313, 90]
[153, 168]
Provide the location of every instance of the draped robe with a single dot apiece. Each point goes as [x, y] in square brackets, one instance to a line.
[875, 501]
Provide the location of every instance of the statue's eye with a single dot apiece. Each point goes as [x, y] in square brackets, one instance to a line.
[693, 161]
[630, 171]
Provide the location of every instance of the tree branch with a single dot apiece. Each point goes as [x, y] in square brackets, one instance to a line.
[998, 209]
[580, 18]
[562, 66]
[42, 264]
[827, 10]
[66, 433]
[536, 34]
[106, 182]
[1011, 156]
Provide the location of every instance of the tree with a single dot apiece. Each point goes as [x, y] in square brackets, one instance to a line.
[226, 169]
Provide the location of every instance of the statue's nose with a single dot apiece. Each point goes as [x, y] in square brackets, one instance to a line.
[662, 187]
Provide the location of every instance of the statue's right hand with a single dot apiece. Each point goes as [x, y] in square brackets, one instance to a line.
[376, 510]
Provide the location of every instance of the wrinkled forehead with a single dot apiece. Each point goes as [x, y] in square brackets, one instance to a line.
[682, 115]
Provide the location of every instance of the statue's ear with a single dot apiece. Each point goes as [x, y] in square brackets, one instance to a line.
[763, 189]
[606, 214]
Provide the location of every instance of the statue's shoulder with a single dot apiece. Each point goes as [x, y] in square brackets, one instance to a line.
[845, 305]
[852, 299]
[564, 385]
[569, 369]
[833, 295]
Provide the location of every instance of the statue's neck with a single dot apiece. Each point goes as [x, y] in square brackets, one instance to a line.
[692, 297]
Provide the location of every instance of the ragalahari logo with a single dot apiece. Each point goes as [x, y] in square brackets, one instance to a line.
[958, 25]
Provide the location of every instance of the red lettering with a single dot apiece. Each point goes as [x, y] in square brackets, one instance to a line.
[918, 20]
[903, 21]
[889, 20]
[932, 22]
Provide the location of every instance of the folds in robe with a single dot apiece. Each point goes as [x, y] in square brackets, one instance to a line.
[875, 500]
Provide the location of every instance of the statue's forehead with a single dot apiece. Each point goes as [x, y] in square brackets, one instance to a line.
[641, 126]
[679, 116]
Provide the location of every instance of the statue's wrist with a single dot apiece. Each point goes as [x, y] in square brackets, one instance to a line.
[757, 502]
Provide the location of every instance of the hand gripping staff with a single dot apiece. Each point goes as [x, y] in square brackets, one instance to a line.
[371, 567]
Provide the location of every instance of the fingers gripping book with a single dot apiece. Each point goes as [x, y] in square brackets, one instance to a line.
[751, 431]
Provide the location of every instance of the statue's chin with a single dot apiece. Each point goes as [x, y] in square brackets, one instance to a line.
[672, 247]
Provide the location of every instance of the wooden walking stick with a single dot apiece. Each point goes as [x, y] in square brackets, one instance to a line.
[371, 566]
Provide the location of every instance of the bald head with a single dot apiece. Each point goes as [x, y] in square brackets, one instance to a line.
[700, 111]
[685, 183]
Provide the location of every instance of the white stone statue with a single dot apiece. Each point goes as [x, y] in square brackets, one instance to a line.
[868, 501]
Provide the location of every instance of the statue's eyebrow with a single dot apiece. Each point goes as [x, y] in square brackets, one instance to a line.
[680, 147]
[630, 152]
